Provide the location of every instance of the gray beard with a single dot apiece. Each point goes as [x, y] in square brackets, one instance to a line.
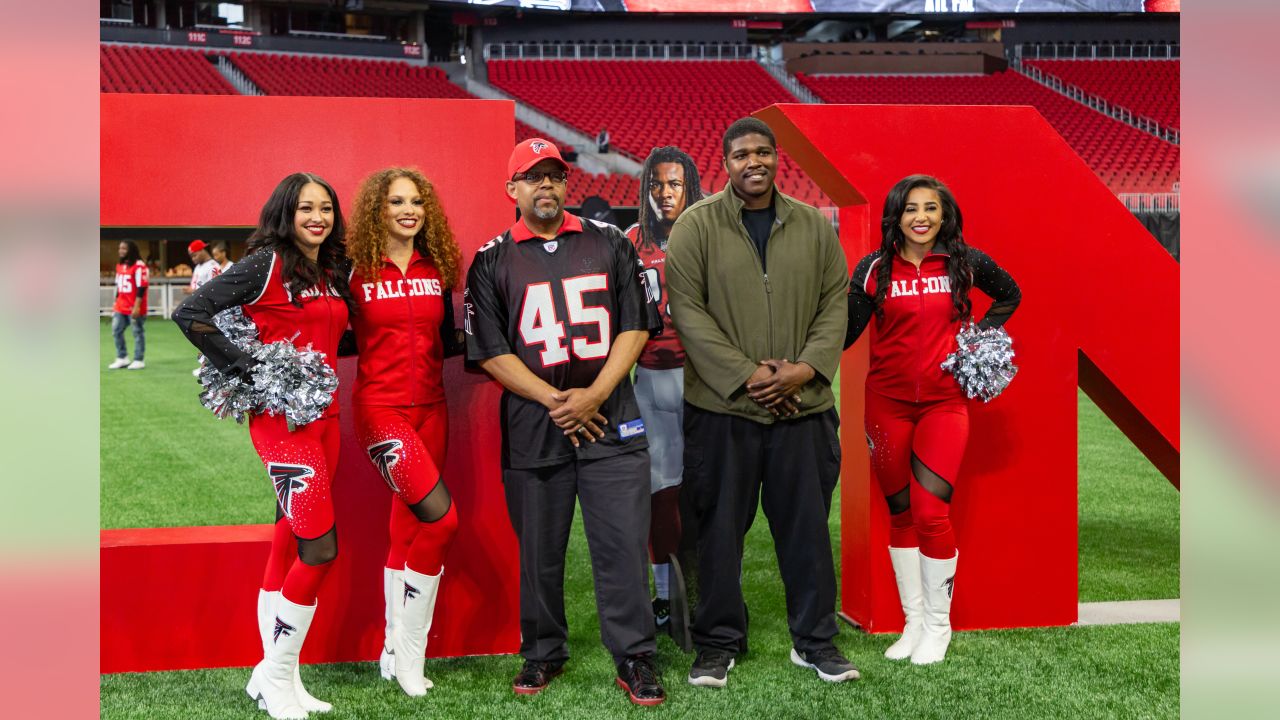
[546, 214]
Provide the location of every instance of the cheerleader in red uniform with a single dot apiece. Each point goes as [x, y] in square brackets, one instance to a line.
[916, 286]
[405, 265]
[293, 286]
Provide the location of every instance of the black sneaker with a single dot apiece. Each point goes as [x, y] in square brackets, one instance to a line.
[662, 614]
[638, 677]
[534, 676]
[830, 664]
[711, 668]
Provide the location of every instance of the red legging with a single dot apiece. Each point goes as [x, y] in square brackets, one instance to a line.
[407, 446]
[916, 449]
[300, 464]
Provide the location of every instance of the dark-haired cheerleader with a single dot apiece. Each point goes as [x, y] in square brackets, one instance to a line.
[916, 286]
[293, 285]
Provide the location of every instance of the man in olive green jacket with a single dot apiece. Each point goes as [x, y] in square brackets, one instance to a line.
[757, 287]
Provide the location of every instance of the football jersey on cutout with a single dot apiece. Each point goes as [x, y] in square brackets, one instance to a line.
[664, 351]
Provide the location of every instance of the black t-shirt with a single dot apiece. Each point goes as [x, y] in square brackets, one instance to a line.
[759, 224]
[558, 305]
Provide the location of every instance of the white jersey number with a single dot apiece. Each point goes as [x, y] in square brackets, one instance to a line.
[540, 326]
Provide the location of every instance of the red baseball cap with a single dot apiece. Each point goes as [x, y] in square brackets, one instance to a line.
[196, 246]
[531, 152]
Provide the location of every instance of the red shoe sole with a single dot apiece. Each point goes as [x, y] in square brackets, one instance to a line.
[535, 690]
[638, 701]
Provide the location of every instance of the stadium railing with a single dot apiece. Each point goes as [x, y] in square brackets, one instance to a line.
[1123, 114]
[1098, 51]
[1151, 202]
[164, 295]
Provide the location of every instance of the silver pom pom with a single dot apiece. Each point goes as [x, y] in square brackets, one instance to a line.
[982, 362]
[288, 380]
[293, 381]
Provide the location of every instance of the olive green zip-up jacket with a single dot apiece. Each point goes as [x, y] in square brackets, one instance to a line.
[730, 315]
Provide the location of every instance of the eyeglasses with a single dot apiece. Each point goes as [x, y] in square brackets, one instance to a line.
[534, 177]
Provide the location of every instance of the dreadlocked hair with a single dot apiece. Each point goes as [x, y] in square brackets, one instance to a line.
[950, 240]
[275, 233]
[367, 241]
[650, 223]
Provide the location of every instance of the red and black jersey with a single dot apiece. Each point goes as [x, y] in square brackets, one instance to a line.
[664, 351]
[255, 284]
[404, 330]
[558, 305]
[919, 326]
[131, 284]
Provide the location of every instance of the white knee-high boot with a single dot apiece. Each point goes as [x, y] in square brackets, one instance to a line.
[272, 681]
[267, 601]
[392, 589]
[906, 570]
[416, 608]
[937, 578]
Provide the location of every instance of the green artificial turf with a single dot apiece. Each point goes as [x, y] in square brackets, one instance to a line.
[166, 461]
[1129, 517]
[1124, 671]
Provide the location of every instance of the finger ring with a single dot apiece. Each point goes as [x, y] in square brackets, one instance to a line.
[582, 428]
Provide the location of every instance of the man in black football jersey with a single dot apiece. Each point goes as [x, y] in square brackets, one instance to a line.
[556, 312]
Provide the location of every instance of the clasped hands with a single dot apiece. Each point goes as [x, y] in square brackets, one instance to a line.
[775, 385]
[576, 412]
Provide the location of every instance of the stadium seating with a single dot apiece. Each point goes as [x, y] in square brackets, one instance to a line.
[1149, 88]
[277, 74]
[644, 104]
[619, 190]
[1125, 158]
[131, 69]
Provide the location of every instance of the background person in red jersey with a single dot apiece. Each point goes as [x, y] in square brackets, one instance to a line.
[556, 312]
[668, 184]
[130, 308]
[405, 265]
[293, 285]
[917, 286]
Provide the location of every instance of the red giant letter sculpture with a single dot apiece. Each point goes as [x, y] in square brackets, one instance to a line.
[1099, 311]
[191, 160]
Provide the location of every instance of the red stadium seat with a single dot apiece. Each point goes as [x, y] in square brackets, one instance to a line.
[126, 68]
[644, 104]
[1148, 88]
[1126, 159]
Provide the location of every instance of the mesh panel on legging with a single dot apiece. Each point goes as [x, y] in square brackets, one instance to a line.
[931, 481]
[434, 506]
[900, 501]
[319, 550]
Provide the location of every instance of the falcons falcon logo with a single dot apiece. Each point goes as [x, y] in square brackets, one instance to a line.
[385, 455]
[950, 583]
[537, 147]
[410, 592]
[282, 628]
[289, 479]
[652, 288]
